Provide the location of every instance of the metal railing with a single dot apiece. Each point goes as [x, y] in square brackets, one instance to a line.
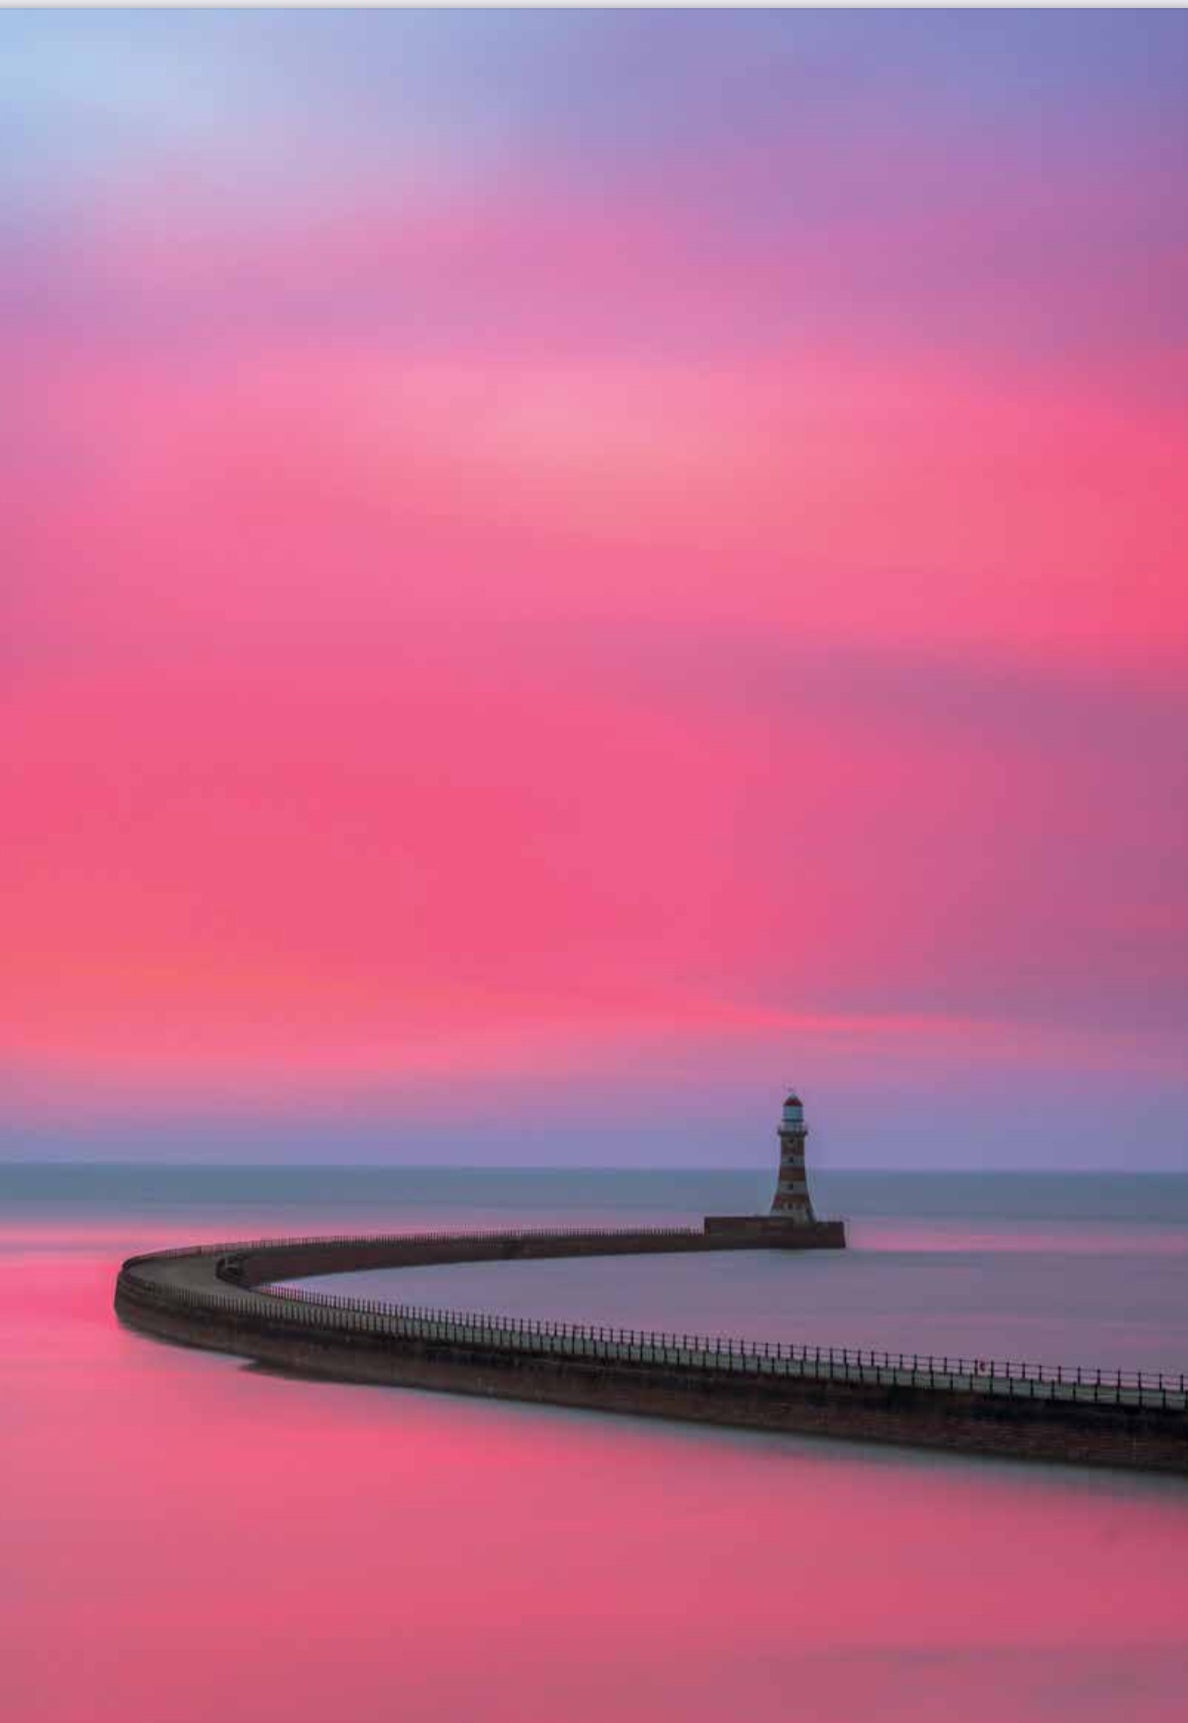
[612, 1345]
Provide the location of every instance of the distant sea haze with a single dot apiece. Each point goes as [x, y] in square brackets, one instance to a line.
[407, 1192]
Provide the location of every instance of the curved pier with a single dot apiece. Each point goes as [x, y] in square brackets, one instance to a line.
[223, 1297]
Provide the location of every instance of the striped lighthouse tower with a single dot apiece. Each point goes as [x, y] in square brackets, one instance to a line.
[791, 1201]
[791, 1223]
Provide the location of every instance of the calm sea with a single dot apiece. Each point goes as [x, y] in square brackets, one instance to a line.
[185, 1537]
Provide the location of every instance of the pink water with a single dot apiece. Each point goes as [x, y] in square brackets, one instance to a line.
[187, 1538]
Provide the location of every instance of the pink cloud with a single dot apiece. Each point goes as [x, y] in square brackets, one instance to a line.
[394, 674]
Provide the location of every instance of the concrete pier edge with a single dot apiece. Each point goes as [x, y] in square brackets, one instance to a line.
[223, 1298]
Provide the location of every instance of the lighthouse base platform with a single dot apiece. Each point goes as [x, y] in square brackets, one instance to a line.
[776, 1232]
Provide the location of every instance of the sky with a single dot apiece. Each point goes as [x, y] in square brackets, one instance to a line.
[564, 571]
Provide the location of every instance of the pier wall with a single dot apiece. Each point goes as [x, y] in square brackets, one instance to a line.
[212, 1299]
[285, 1261]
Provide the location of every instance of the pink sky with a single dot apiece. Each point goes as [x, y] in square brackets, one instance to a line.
[605, 605]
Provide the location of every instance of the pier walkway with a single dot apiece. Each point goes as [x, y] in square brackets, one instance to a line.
[227, 1296]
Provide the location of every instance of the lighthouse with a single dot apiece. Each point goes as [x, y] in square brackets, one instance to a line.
[790, 1223]
[792, 1201]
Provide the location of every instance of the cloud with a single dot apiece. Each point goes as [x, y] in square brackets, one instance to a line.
[585, 597]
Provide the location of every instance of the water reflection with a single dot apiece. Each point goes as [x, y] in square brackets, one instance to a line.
[186, 1538]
